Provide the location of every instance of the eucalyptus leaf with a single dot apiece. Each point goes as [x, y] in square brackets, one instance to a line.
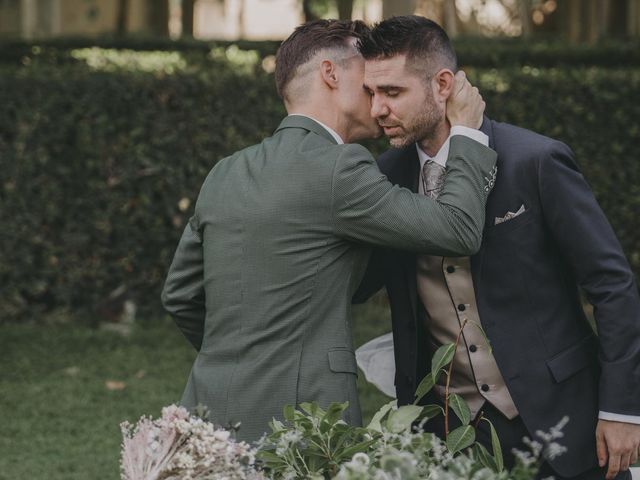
[460, 407]
[460, 438]
[442, 358]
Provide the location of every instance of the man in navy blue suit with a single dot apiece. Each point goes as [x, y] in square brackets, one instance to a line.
[545, 238]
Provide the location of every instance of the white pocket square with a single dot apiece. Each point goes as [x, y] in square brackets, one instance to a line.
[509, 216]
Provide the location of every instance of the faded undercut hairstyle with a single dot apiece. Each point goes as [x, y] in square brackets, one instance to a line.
[309, 39]
[425, 43]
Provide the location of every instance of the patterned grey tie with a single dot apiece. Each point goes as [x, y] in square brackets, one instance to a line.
[432, 178]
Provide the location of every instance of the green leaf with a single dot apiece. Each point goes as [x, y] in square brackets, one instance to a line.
[349, 452]
[401, 419]
[333, 414]
[374, 424]
[496, 447]
[276, 425]
[442, 358]
[289, 412]
[460, 438]
[425, 386]
[484, 457]
[270, 458]
[310, 408]
[431, 411]
[484, 334]
[460, 407]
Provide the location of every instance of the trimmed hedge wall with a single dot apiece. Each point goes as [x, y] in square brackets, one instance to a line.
[479, 52]
[99, 166]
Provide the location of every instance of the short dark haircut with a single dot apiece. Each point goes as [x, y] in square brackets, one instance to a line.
[425, 43]
[310, 38]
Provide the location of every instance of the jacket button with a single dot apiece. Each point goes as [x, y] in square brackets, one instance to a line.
[472, 348]
[484, 387]
[451, 269]
[461, 307]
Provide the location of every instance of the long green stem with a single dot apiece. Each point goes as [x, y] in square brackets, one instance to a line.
[446, 388]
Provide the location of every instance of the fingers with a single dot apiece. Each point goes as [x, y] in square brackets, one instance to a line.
[601, 447]
[614, 467]
[465, 106]
[625, 462]
[460, 81]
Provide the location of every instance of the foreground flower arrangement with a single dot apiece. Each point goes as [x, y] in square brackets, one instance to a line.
[316, 444]
[180, 446]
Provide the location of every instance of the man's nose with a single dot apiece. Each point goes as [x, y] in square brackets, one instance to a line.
[378, 107]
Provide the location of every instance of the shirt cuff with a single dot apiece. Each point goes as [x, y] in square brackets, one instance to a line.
[617, 417]
[472, 133]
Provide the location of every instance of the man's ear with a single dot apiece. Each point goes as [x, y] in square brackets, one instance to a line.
[329, 73]
[443, 84]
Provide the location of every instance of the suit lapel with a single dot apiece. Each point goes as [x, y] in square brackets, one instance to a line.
[411, 178]
[476, 260]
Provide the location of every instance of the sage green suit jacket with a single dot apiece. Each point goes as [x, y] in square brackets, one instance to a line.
[263, 276]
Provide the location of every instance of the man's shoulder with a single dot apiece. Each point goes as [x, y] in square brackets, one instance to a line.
[518, 143]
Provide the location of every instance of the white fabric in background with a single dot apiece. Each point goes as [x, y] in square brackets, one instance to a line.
[375, 359]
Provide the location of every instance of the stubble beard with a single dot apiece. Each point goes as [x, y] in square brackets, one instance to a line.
[422, 128]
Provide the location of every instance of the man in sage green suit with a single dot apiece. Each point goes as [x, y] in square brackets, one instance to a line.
[263, 276]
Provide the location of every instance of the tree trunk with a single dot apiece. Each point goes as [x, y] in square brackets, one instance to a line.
[241, 8]
[633, 18]
[307, 11]
[123, 17]
[345, 9]
[392, 8]
[158, 17]
[451, 18]
[524, 10]
[187, 18]
[572, 14]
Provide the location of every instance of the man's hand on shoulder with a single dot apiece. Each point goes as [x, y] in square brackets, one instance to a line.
[465, 106]
[617, 444]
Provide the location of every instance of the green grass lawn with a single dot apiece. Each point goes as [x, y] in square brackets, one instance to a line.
[59, 418]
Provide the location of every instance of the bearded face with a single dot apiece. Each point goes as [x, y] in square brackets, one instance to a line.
[402, 101]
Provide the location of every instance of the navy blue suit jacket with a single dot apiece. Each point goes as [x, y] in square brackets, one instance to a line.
[527, 278]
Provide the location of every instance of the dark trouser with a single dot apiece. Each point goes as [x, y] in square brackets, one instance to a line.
[511, 433]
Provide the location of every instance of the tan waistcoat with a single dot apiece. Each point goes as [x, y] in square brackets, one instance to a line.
[446, 289]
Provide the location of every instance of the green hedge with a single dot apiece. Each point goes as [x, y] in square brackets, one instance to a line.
[478, 52]
[99, 167]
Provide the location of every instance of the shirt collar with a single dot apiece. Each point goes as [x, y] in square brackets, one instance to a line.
[440, 158]
[328, 129]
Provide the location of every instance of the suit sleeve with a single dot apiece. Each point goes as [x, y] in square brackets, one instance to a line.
[590, 246]
[368, 208]
[183, 293]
